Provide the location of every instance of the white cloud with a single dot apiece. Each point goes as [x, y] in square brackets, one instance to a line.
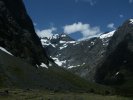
[121, 16]
[91, 2]
[46, 32]
[85, 29]
[111, 26]
[130, 1]
[35, 24]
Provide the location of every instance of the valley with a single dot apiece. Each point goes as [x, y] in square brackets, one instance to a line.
[60, 67]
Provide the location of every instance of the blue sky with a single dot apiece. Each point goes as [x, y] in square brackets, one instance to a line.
[78, 18]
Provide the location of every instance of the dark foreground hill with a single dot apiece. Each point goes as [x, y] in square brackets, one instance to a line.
[17, 33]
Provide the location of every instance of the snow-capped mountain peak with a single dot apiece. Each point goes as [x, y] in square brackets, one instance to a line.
[64, 50]
[57, 39]
[55, 36]
[63, 35]
[105, 37]
[110, 34]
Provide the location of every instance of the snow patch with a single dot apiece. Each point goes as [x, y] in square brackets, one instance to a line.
[50, 64]
[89, 46]
[83, 64]
[92, 43]
[63, 35]
[64, 46]
[117, 73]
[53, 45]
[105, 36]
[37, 66]
[76, 43]
[58, 62]
[110, 34]
[3, 49]
[71, 42]
[67, 42]
[131, 21]
[44, 65]
[70, 67]
[46, 42]
[62, 42]
[58, 55]
[55, 36]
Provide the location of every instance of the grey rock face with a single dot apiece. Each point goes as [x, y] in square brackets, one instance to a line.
[80, 57]
[117, 68]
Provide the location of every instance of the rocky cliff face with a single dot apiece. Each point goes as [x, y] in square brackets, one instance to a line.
[17, 33]
[96, 59]
[80, 57]
[117, 68]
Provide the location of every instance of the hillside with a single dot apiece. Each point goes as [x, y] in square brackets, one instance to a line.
[117, 67]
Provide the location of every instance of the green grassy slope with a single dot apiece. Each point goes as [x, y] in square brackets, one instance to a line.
[16, 73]
[45, 95]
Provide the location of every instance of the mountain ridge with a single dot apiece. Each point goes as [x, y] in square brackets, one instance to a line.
[117, 66]
[67, 53]
[109, 58]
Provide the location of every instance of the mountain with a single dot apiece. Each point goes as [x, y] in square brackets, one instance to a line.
[105, 59]
[80, 57]
[117, 67]
[17, 33]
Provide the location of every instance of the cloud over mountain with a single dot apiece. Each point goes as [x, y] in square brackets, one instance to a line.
[46, 32]
[85, 29]
[111, 26]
